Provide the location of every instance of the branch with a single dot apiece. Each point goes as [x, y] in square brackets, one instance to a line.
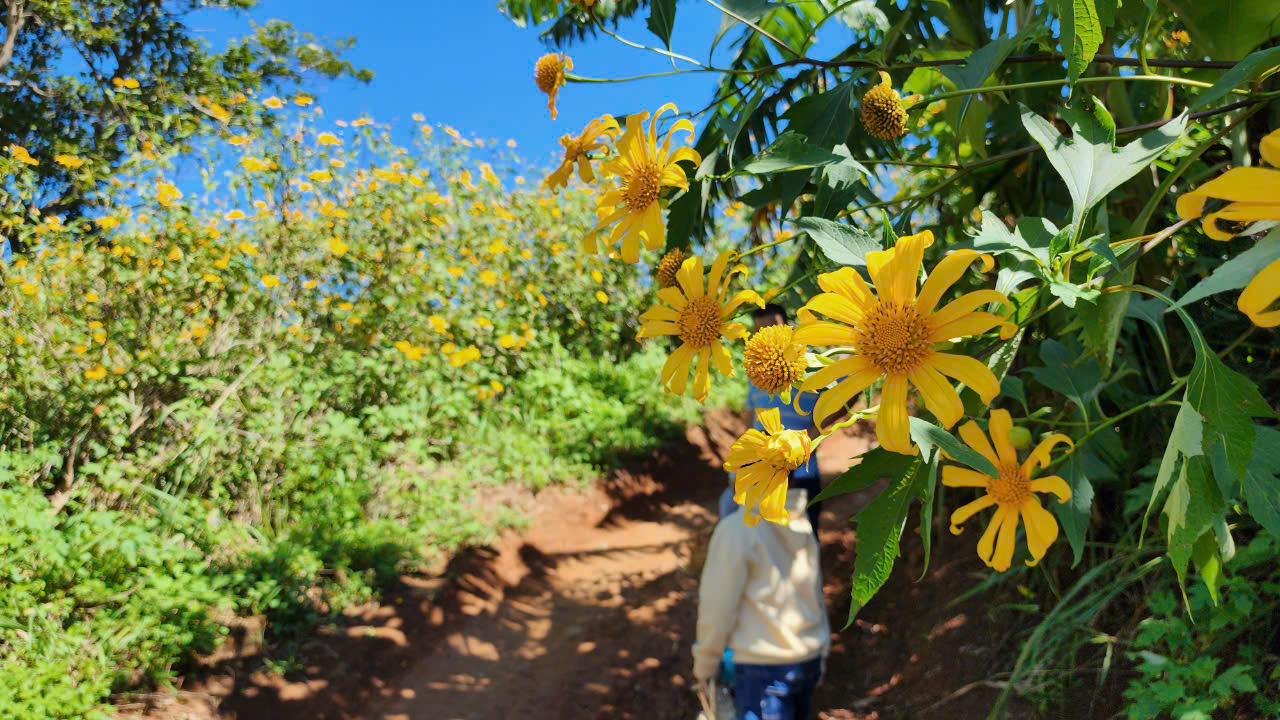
[14, 19]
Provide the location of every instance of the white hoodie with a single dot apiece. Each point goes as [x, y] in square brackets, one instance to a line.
[761, 593]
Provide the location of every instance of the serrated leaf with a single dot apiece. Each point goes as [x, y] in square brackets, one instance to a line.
[1079, 379]
[930, 437]
[1089, 164]
[1081, 34]
[874, 465]
[1194, 504]
[825, 119]
[842, 244]
[880, 526]
[1236, 272]
[1260, 485]
[1227, 401]
[789, 151]
[662, 19]
[1184, 441]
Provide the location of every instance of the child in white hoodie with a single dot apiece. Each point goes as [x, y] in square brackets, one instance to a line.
[761, 596]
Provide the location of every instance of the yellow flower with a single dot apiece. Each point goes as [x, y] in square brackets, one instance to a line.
[361, 122]
[597, 276]
[642, 169]
[1252, 193]
[455, 271]
[893, 332]
[338, 247]
[240, 140]
[448, 348]
[211, 278]
[273, 102]
[130, 83]
[670, 263]
[578, 150]
[508, 340]
[95, 373]
[698, 315]
[91, 297]
[20, 154]
[107, 222]
[773, 360]
[602, 297]
[497, 247]
[247, 248]
[303, 100]
[68, 161]
[548, 75]
[175, 254]
[489, 277]
[234, 215]
[1012, 492]
[328, 138]
[320, 176]
[496, 386]
[438, 323]
[881, 111]
[486, 172]
[763, 461]
[253, 164]
[270, 281]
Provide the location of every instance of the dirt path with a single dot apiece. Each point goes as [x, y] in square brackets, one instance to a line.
[590, 612]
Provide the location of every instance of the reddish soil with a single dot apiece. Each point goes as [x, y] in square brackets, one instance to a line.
[590, 613]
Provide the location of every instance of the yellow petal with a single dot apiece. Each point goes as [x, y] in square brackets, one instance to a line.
[964, 512]
[717, 270]
[742, 296]
[956, 476]
[823, 332]
[673, 297]
[660, 312]
[832, 401]
[974, 323]
[836, 307]
[986, 543]
[1052, 484]
[1042, 529]
[1261, 292]
[721, 358]
[689, 276]
[702, 376]
[654, 328]
[939, 396]
[972, 373]
[948, 270]
[1270, 148]
[676, 371]
[652, 227]
[977, 440]
[845, 366]
[770, 420]
[1242, 184]
[1039, 457]
[847, 282]
[964, 305]
[893, 427]
[1000, 425]
[733, 331]
[1003, 556]
[908, 258]
[773, 506]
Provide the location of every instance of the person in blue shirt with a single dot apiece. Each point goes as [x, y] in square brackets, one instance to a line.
[805, 477]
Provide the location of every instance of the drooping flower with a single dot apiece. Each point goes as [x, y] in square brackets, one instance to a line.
[548, 75]
[699, 315]
[881, 111]
[1012, 492]
[773, 359]
[763, 461]
[578, 150]
[1252, 193]
[893, 332]
[641, 168]
[665, 273]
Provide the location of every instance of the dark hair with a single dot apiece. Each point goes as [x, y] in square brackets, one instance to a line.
[768, 310]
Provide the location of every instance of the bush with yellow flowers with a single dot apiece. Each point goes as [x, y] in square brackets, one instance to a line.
[1069, 261]
[273, 389]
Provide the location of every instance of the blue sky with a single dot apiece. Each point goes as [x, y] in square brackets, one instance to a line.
[464, 63]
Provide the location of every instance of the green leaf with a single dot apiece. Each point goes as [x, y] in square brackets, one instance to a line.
[1074, 514]
[1261, 484]
[1104, 319]
[880, 527]
[1247, 70]
[842, 244]
[994, 238]
[839, 184]
[662, 19]
[1227, 401]
[929, 436]
[1090, 165]
[863, 15]
[789, 151]
[1236, 272]
[1184, 441]
[1227, 29]
[1151, 311]
[1071, 293]
[1012, 388]
[874, 465]
[824, 119]
[925, 491]
[1079, 379]
[976, 69]
[752, 10]
[1194, 504]
[1081, 34]
[1205, 555]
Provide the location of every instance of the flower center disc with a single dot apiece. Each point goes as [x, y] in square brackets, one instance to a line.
[642, 188]
[546, 73]
[700, 322]
[771, 361]
[1011, 488]
[788, 450]
[894, 338]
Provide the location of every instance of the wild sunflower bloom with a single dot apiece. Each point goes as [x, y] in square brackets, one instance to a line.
[881, 111]
[698, 315]
[548, 74]
[642, 168]
[893, 331]
[762, 462]
[1013, 492]
[773, 360]
[1253, 193]
[578, 150]
[668, 266]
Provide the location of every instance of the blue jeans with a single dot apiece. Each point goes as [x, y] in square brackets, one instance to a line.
[795, 682]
